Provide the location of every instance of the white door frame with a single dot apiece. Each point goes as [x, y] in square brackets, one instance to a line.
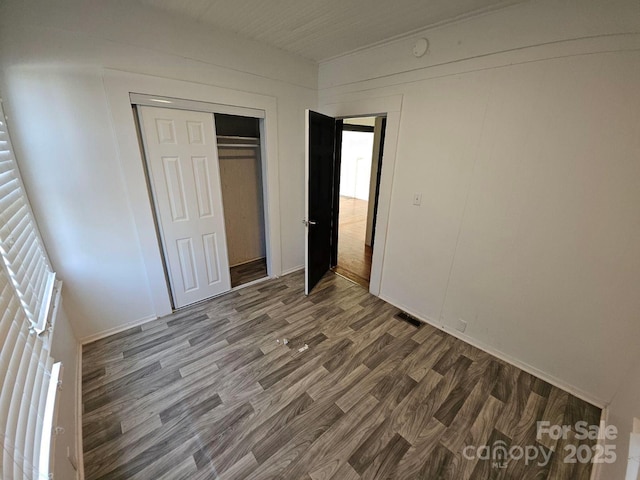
[118, 87]
[391, 107]
[306, 201]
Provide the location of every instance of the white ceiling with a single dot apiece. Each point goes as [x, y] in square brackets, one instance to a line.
[321, 29]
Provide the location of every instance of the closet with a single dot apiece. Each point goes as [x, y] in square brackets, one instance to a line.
[242, 195]
[205, 175]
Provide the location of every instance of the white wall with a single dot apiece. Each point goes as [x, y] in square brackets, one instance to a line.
[521, 129]
[355, 166]
[52, 56]
[556, 26]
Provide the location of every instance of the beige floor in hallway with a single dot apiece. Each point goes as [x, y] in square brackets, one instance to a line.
[209, 393]
[354, 256]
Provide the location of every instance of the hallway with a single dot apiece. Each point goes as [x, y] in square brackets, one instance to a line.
[354, 257]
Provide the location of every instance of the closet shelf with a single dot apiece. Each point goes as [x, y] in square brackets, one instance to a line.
[237, 145]
[229, 141]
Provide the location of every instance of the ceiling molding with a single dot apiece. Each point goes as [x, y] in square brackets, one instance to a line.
[321, 31]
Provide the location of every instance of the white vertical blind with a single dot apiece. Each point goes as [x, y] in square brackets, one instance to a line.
[26, 283]
[25, 367]
[20, 245]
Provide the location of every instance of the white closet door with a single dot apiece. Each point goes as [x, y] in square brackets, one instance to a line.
[182, 156]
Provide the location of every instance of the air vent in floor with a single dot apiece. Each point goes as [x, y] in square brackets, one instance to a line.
[409, 319]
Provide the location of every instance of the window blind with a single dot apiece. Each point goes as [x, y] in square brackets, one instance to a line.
[25, 367]
[20, 245]
[26, 289]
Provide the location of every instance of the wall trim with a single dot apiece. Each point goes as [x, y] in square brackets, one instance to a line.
[120, 328]
[289, 271]
[599, 44]
[424, 30]
[245, 285]
[391, 107]
[596, 468]
[556, 382]
[79, 446]
[144, 320]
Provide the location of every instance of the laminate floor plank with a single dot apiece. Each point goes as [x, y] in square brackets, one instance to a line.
[335, 459]
[183, 471]
[128, 437]
[461, 423]
[345, 473]
[494, 467]
[387, 460]
[420, 454]
[325, 444]
[248, 272]
[212, 391]
[241, 469]
[480, 432]
[224, 460]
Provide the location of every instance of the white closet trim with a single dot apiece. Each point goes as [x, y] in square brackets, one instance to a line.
[195, 106]
[118, 87]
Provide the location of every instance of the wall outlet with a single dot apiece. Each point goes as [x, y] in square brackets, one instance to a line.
[462, 325]
[417, 199]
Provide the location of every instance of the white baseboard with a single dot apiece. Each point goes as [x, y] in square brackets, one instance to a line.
[598, 402]
[136, 323]
[79, 448]
[118, 329]
[289, 271]
[245, 285]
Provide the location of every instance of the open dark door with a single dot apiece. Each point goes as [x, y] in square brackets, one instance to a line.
[320, 169]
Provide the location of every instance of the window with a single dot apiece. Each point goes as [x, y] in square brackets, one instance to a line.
[27, 291]
[20, 245]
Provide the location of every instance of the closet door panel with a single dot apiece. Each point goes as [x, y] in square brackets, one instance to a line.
[182, 158]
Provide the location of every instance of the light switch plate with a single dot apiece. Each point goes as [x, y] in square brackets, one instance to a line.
[417, 199]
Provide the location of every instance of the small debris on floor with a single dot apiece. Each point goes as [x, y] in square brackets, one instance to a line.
[302, 349]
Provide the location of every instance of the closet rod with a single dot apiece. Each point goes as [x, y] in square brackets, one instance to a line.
[238, 137]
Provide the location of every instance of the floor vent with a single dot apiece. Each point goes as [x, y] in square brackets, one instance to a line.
[409, 319]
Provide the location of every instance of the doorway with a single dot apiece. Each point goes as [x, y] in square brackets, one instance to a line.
[361, 148]
[323, 184]
[205, 176]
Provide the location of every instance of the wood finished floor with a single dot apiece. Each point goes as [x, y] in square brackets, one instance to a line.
[248, 272]
[208, 393]
[354, 256]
